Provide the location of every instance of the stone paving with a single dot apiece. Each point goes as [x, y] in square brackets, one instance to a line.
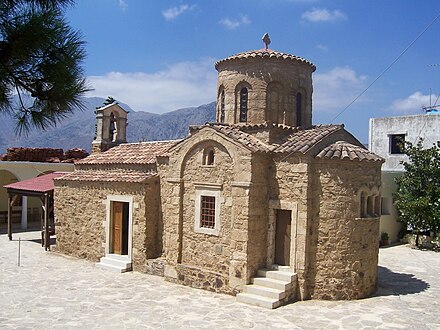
[52, 291]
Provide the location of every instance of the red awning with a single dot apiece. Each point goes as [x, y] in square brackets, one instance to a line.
[41, 184]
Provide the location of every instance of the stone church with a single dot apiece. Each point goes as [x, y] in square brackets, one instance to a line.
[260, 204]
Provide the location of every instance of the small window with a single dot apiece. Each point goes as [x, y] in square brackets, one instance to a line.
[208, 201]
[222, 107]
[207, 212]
[397, 143]
[243, 104]
[208, 156]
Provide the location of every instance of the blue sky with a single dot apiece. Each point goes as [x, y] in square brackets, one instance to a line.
[159, 56]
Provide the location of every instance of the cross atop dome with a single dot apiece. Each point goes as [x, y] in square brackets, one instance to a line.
[266, 40]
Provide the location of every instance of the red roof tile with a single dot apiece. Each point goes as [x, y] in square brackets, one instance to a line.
[344, 150]
[131, 153]
[41, 184]
[107, 176]
[234, 132]
[266, 53]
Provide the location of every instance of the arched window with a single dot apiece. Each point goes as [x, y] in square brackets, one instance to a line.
[243, 104]
[208, 156]
[370, 206]
[377, 206]
[222, 107]
[298, 109]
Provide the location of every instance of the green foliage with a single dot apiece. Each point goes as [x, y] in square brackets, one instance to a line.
[418, 194]
[109, 100]
[384, 236]
[40, 61]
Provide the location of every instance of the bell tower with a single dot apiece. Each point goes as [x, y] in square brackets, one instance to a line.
[111, 124]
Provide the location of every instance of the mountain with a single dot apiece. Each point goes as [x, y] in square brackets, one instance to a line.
[78, 129]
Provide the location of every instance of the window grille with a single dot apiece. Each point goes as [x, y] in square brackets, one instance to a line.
[207, 214]
[222, 107]
[243, 104]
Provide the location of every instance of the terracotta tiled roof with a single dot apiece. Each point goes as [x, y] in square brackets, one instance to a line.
[234, 132]
[266, 53]
[107, 176]
[131, 153]
[41, 184]
[303, 140]
[344, 150]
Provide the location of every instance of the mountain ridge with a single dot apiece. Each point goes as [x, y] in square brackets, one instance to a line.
[77, 130]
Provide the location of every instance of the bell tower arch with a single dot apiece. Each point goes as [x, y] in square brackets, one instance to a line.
[111, 124]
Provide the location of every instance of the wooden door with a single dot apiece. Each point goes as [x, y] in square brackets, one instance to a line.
[117, 227]
[283, 237]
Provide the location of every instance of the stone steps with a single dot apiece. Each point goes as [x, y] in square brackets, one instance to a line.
[271, 289]
[256, 300]
[115, 262]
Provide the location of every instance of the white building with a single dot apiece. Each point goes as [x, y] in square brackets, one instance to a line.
[385, 134]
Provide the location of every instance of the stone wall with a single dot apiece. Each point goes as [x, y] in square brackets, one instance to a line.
[343, 251]
[258, 215]
[201, 259]
[290, 190]
[80, 217]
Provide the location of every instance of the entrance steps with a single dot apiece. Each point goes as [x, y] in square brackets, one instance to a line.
[115, 262]
[271, 288]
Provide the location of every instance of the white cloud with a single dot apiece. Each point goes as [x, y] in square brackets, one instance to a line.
[335, 89]
[123, 4]
[322, 47]
[180, 85]
[413, 103]
[174, 12]
[323, 15]
[232, 24]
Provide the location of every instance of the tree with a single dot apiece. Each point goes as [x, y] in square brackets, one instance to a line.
[40, 62]
[418, 194]
[109, 100]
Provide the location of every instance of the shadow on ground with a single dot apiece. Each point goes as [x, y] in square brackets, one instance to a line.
[16, 228]
[394, 284]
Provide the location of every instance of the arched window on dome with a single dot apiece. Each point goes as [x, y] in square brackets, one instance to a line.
[222, 106]
[243, 104]
[298, 109]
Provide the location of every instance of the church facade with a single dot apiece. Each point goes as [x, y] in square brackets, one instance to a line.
[260, 203]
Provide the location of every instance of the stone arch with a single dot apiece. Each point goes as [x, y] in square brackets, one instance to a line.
[208, 146]
[275, 103]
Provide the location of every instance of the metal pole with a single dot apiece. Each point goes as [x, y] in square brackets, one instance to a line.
[19, 245]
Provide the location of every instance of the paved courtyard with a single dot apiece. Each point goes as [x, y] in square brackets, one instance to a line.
[52, 291]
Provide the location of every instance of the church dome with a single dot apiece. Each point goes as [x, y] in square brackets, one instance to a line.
[265, 87]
